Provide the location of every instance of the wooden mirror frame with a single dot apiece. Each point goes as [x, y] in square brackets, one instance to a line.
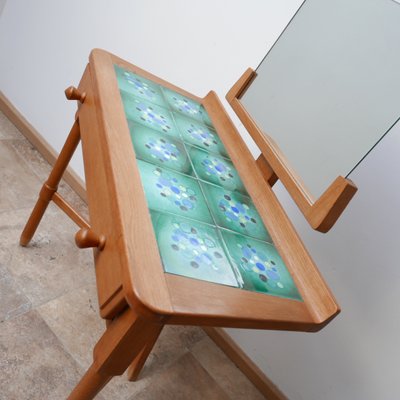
[321, 213]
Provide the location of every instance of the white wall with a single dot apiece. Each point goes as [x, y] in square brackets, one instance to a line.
[205, 45]
[356, 357]
[198, 45]
[2, 4]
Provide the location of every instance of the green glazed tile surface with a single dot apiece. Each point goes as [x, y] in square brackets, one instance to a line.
[186, 106]
[192, 249]
[139, 87]
[215, 169]
[149, 114]
[198, 134]
[172, 192]
[206, 225]
[234, 211]
[260, 265]
[159, 149]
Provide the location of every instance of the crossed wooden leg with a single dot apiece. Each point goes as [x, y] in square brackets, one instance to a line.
[138, 363]
[49, 189]
[127, 338]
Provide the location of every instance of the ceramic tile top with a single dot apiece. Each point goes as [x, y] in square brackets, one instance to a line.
[216, 169]
[186, 106]
[234, 211]
[206, 225]
[159, 149]
[149, 114]
[192, 249]
[139, 87]
[260, 266]
[201, 135]
[172, 192]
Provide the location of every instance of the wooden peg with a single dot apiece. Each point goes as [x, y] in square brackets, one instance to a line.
[72, 93]
[85, 238]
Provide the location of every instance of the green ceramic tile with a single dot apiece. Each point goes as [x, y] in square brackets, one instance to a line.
[172, 192]
[206, 118]
[189, 243]
[234, 211]
[198, 134]
[149, 114]
[186, 106]
[159, 149]
[139, 87]
[215, 169]
[192, 249]
[260, 265]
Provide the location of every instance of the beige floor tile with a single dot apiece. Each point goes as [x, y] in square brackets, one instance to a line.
[120, 388]
[7, 129]
[186, 379]
[33, 364]
[75, 320]
[19, 186]
[51, 265]
[12, 301]
[66, 316]
[31, 157]
[226, 374]
[173, 342]
[189, 335]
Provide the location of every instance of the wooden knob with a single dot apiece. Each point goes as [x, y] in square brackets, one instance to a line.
[72, 93]
[85, 238]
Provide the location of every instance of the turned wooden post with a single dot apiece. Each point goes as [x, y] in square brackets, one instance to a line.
[50, 187]
[86, 238]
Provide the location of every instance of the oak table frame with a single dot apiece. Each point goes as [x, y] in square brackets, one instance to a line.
[136, 297]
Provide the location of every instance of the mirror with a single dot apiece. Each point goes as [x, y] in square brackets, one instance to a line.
[329, 88]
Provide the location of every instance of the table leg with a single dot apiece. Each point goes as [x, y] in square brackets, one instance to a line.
[90, 385]
[51, 185]
[138, 363]
[123, 341]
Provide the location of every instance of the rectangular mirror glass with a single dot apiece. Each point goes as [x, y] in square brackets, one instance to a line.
[329, 89]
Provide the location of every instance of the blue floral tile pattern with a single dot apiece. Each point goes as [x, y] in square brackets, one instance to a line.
[216, 169]
[159, 149]
[206, 225]
[201, 135]
[234, 211]
[149, 114]
[186, 106]
[139, 86]
[192, 249]
[260, 266]
[172, 192]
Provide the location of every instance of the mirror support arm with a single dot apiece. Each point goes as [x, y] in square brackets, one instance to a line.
[322, 213]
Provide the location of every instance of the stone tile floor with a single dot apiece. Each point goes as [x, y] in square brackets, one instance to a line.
[49, 318]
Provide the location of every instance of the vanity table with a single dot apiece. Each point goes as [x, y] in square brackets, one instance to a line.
[184, 224]
[185, 227]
